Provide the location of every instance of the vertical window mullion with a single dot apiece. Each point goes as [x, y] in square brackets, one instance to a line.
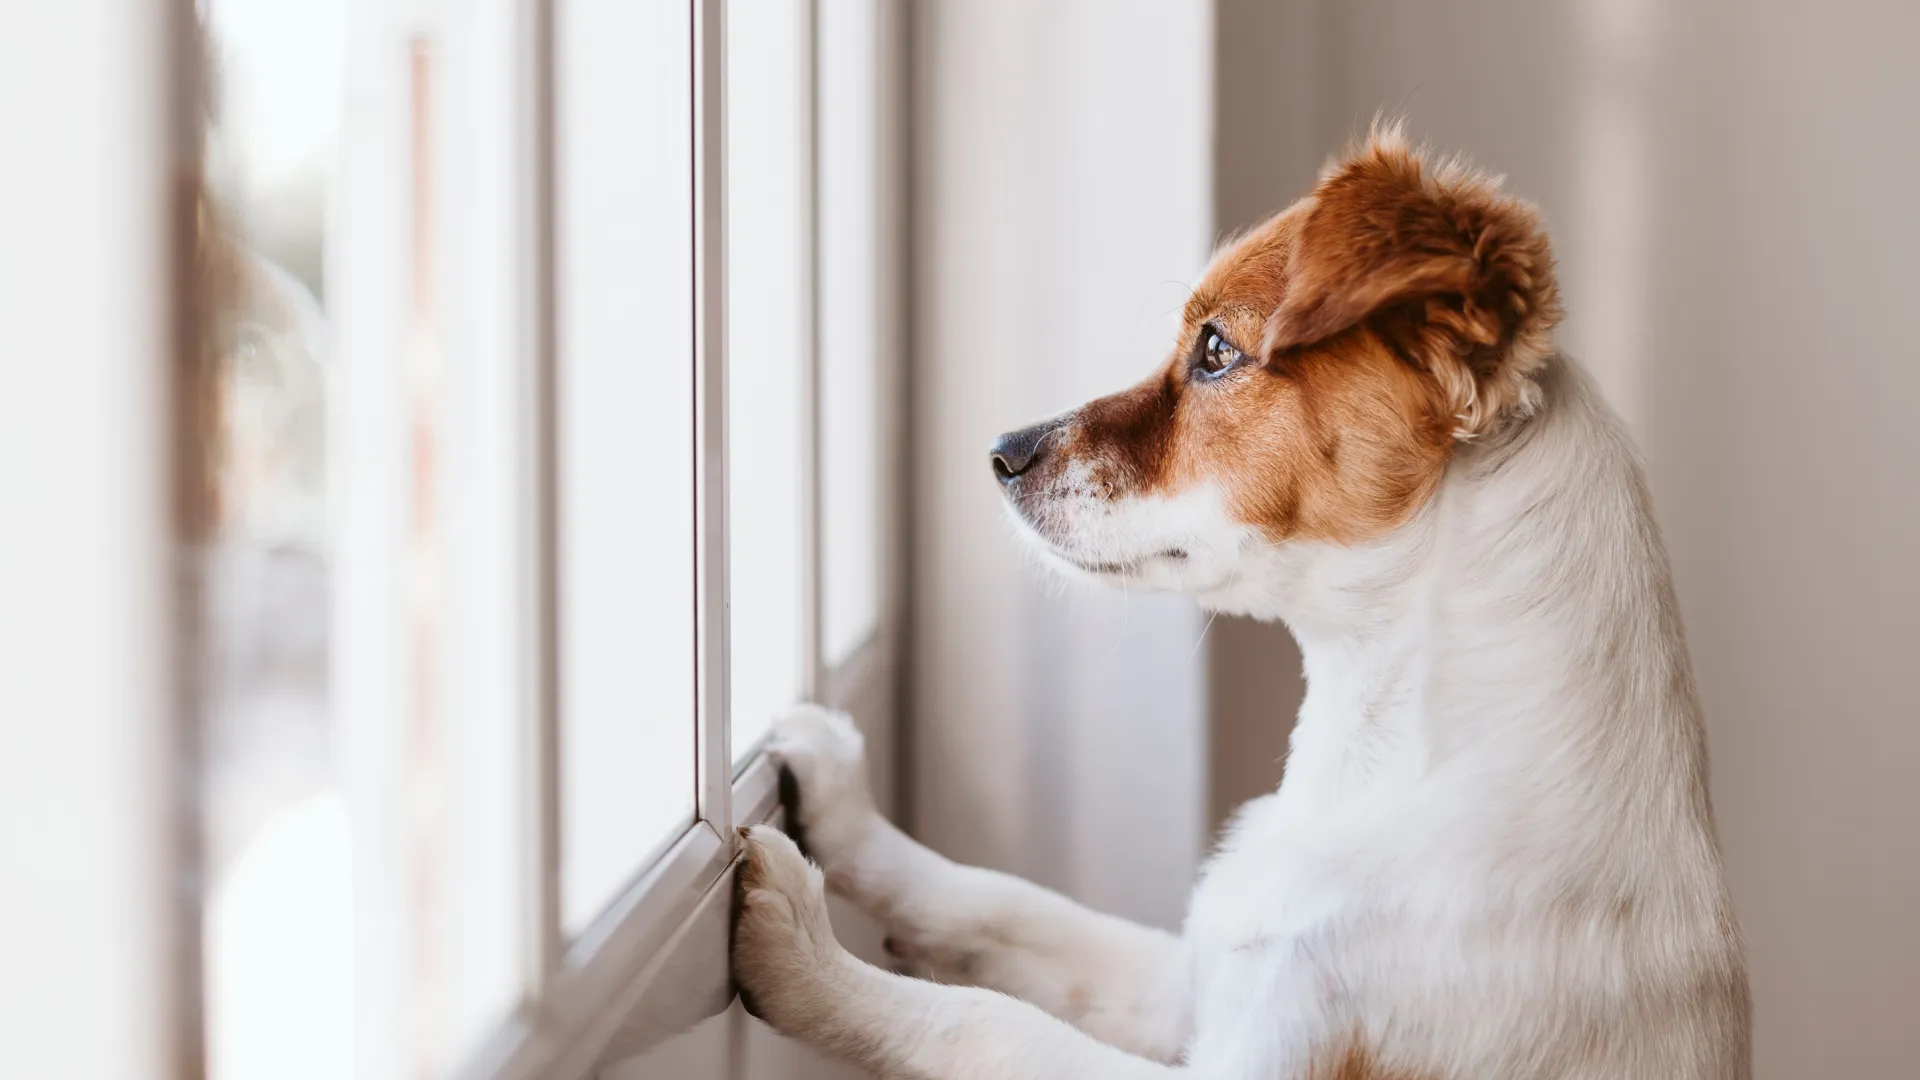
[540, 491]
[713, 750]
[811, 664]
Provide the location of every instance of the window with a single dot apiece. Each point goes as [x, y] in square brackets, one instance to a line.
[545, 461]
[277, 844]
[769, 350]
[624, 433]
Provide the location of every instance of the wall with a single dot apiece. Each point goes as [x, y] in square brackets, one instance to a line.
[91, 801]
[1062, 197]
[1730, 188]
[1267, 150]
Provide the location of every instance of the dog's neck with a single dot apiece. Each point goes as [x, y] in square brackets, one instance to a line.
[1525, 611]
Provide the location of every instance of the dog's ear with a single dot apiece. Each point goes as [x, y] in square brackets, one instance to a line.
[1455, 274]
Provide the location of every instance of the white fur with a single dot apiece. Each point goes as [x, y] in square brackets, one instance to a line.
[1084, 535]
[1492, 856]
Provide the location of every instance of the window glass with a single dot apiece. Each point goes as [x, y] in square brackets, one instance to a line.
[624, 403]
[849, 327]
[361, 574]
[277, 845]
[766, 348]
[370, 601]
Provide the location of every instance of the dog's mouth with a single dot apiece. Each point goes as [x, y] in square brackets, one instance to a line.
[1127, 567]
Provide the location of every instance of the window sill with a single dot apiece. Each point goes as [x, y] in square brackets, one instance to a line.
[664, 930]
[654, 963]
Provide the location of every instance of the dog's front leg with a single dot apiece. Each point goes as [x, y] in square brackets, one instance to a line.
[794, 975]
[1129, 986]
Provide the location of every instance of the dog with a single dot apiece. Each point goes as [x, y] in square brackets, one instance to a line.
[1493, 855]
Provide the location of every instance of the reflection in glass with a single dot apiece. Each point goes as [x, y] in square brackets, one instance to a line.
[278, 915]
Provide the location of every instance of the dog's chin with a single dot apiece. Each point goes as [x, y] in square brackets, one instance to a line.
[1185, 544]
[1165, 570]
[1168, 569]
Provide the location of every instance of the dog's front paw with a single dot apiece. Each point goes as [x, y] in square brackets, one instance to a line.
[790, 968]
[828, 759]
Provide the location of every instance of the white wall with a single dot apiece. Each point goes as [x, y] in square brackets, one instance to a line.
[90, 811]
[1062, 188]
[1731, 191]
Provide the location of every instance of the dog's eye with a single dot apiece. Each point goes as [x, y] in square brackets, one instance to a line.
[1216, 355]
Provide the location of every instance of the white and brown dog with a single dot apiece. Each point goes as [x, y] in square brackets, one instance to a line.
[1493, 856]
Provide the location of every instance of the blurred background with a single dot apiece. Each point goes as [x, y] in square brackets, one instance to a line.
[375, 380]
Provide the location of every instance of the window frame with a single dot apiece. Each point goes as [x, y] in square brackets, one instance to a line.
[405, 125]
[571, 986]
[579, 991]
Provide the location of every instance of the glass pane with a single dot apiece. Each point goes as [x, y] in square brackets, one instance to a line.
[766, 329]
[625, 440]
[849, 327]
[357, 240]
[278, 931]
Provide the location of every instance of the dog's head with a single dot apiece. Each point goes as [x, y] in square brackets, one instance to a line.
[1327, 365]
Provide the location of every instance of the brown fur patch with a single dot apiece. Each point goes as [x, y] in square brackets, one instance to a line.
[1355, 1062]
[1457, 275]
[1397, 308]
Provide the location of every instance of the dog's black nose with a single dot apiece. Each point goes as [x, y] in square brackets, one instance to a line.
[1017, 451]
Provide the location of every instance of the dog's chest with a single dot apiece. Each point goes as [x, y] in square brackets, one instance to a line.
[1271, 927]
[1272, 888]
[1302, 896]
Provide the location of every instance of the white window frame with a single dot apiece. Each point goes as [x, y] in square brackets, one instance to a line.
[578, 983]
[574, 994]
[590, 986]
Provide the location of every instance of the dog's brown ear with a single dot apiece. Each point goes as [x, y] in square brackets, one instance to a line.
[1455, 274]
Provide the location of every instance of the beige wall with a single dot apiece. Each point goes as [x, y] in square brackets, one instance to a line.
[1267, 149]
[1731, 190]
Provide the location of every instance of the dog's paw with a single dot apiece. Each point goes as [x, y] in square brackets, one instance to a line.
[828, 759]
[790, 968]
